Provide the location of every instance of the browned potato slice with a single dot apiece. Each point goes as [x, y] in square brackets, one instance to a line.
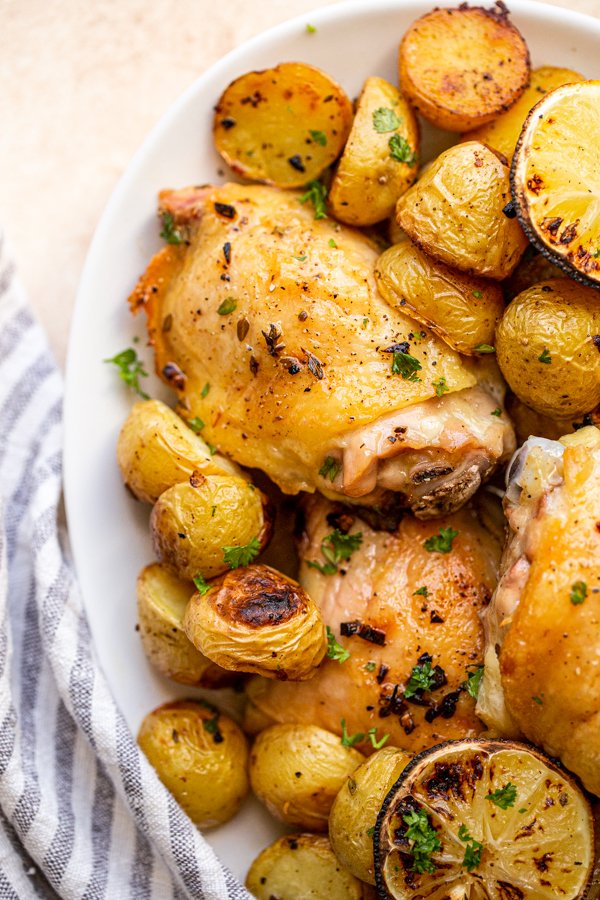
[462, 309]
[463, 67]
[255, 619]
[283, 126]
[380, 159]
[161, 602]
[455, 212]
[503, 133]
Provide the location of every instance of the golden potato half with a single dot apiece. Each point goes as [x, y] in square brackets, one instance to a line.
[380, 159]
[283, 126]
[462, 67]
[156, 449]
[455, 212]
[255, 619]
[460, 308]
[201, 757]
[297, 770]
[548, 348]
[303, 866]
[202, 526]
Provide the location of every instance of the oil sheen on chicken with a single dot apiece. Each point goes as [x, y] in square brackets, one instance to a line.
[268, 324]
[400, 610]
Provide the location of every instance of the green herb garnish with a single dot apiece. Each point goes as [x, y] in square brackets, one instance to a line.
[545, 357]
[196, 424]
[300, 258]
[205, 390]
[334, 649]
[484, 348]
[370, 831]
[319, 137]
[424, 840]
[336, 548]
[349, 740]
[400, 150]
[316, 193]
[241, 556]
[504, 797]
[406, 365]
[538, 700]
[385, 119]
[169, 233]
[131, 369]
[422, 591]
[496, 412]
[441, 387]
[473, 850]
[478, 295]
[471, 685]
[228, 305]
[311, 29]
[442, 541]
[202, 586]
[578, 592]
[371, 666]
[330, 468]
[422, 678]
[377, 744]
[332, 244]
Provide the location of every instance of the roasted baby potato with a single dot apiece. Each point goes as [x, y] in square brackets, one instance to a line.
[255, 619]
[356, 807]
[202, 526]
[528, 422]
[533, 268]
[283, 126]
[548, 348]
[455, 212]
[161, 602]
[463, 67]
[503, 133]
[460, 308]
[297, 770]
[303, 867]
[201, 756]
[379, 161]
[156, 449]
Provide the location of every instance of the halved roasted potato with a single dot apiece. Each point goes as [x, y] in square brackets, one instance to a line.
[297, 770]
[458, 212]
[156, 449]
[462, 67]
[208, 524]
[161, 602]
[255, 619]
[461, 309]
[283, 126]
[503, 133]
[380, 159]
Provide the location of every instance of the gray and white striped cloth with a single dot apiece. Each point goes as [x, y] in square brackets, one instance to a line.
[82, 814]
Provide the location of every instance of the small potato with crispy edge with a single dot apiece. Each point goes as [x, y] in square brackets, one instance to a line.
[528, 422]
[201, 757]
[303, 867]
[255, 619]
[462, 309]
[283, 126]
[462, 67]
[380, 159]
[156, 449]
[193, 523]
[455, 213]
[356, 807]
[297, 770]
[161, 602]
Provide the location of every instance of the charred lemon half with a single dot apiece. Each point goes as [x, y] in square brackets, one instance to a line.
[556, 178]
[484, 818]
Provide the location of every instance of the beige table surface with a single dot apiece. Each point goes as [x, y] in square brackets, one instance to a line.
[81, 84]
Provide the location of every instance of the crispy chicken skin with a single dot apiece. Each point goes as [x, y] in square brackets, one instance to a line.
[376, 587]
[542, 677]
[279, 314]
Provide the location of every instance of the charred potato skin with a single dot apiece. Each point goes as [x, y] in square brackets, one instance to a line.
[203, 766]
[192, 522]
[368, 180]
[301, 800]
[455, 213]
[257, 620]
[547, 351]
[356, 807]
[156, 449]
[462, 67]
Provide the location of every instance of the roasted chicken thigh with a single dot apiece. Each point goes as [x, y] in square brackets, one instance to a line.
[268, 324]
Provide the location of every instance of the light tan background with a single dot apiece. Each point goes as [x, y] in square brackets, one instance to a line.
[81, 84]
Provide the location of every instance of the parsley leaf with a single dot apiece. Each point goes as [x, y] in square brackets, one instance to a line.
[349, 740]
[504, 797]
[371, 666]
[545, 357]
[496, 412]
[478, 295]
[300, 258]
[484, 348]
[538, 700]
[471, 685]
[441, 387]
[330, 468]
[473, 850]
[334, 649]
[377, 744]
[205, 390]
[422, 678]
[336, 547]
[400, 150]
[423, 591]
[228, 305]
[212, 726]
[578, 592]
[310, 28]
[169, 233]
[370, 831]
[406, 365]
[319, 137]
[241, 556]
[316, 193]
[332, 243]
[202, 586]
[196, 424]
[385, 119]
[131, 369]
[442, 541]
[424, 840]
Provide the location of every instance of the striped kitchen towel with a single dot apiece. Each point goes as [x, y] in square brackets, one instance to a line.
[82, 814]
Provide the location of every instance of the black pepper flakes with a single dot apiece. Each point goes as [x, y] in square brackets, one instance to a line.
[173, 374]
[226, 210]
[227, 252]
[296, 163]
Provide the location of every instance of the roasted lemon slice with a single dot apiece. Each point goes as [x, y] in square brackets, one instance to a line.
[556, 178]
[484, 818]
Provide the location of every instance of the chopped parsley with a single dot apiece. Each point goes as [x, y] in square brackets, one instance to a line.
[319, 137]
[471, 685]
[422, 591]
[336, 548]
[332, 244]
[205, 390]
[330, 468]
[442, 541]
[496, 412]
[202, 586]
[316, 193]
[424, 840]
[484, 348]
[504, 797]
[377, 744]
[400, 150]
[545, 357]
[441, 387]
[370, 831]
[169, 233]
[196, 424]
[211, 448]
[538, 700]
[478, 295]
[300, 258]
[241, 556]
[310, 28]
[131, 369]
[422, 678]
[349, 740]
[473, 850]
[406, 365]
[212, 726]
[578, 592]
[385, 119]
[228, 305]
[371, 666]
[335, 649]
